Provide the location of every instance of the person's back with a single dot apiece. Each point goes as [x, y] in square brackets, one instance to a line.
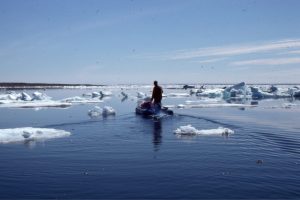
[157, 94]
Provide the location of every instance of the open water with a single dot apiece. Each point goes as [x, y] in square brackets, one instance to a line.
[127, 156]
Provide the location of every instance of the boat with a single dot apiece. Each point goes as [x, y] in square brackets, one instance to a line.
[147, 109]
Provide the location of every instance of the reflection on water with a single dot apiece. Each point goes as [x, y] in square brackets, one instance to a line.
[157, 138]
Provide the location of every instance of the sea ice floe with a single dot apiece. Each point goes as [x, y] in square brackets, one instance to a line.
[16, 135]
[107, 110]
[25, 96]
[190, 130]
[215, 105]
[40, 96]
[178, 95]
[34, 104]
[240, 90]
[96, 94]
[206, 100]
[24, 100]
[261, 93]
[243, 91]
[106, 93]
[294, 91]
[211, 93]
[181, 106]
[102, 94]
[78, 99]
[97, 111]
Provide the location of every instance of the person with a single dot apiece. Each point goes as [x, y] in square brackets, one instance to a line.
[156, 96]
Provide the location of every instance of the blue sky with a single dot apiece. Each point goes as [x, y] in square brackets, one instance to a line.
[138, 41]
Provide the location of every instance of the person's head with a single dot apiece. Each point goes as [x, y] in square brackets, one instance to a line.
[155, 83]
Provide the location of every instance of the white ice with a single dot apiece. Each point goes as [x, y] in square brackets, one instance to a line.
[190, 130]
[212, 93]
[106, 93]
[82, 100]
[40, 96]
[24, 100]
[215, 105]
[16, 135]
[97, 111]
[178, 95]
[33, 104]
[107, 110]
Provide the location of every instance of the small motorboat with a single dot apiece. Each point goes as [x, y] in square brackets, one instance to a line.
[147, 109]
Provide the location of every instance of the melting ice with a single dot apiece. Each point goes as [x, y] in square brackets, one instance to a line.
[190, 130]
[15, 135]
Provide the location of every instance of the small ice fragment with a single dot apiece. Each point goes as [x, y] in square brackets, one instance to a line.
[107, 110]
[105, 93]
[178, 95]
[96, 94]
[15, 135]
[190, 130]
[95, 112]
[180, 106]
[39, 96]
[25, 97]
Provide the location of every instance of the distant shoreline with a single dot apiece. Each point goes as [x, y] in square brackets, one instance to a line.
[21, 85]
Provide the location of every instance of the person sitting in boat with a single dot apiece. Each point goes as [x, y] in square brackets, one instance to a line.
[156, 96]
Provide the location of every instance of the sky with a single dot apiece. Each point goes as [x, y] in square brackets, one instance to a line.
[138, 41]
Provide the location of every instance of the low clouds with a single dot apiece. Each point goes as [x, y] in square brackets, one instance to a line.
[264, 53]
[235, 50]
[273, 61]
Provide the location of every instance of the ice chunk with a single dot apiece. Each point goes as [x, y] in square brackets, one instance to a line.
[193, 91]
[16, 135]
[240, 90]
[10, 96]
[181, 106]
[40, 96]
[96, 94]
[211, 93]
[215, 105]
[34, 104]
[294, 91]
[257, 93]
[178, 95]
[107, 110]
[95, 112]
[272, 89]
[239, 86]
[78, 99]
[190, 130]
[105, 93]
[25, 96]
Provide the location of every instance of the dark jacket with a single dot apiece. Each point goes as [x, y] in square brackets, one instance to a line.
[157, 94]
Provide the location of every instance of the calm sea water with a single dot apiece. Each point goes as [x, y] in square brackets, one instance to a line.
[130, 157]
